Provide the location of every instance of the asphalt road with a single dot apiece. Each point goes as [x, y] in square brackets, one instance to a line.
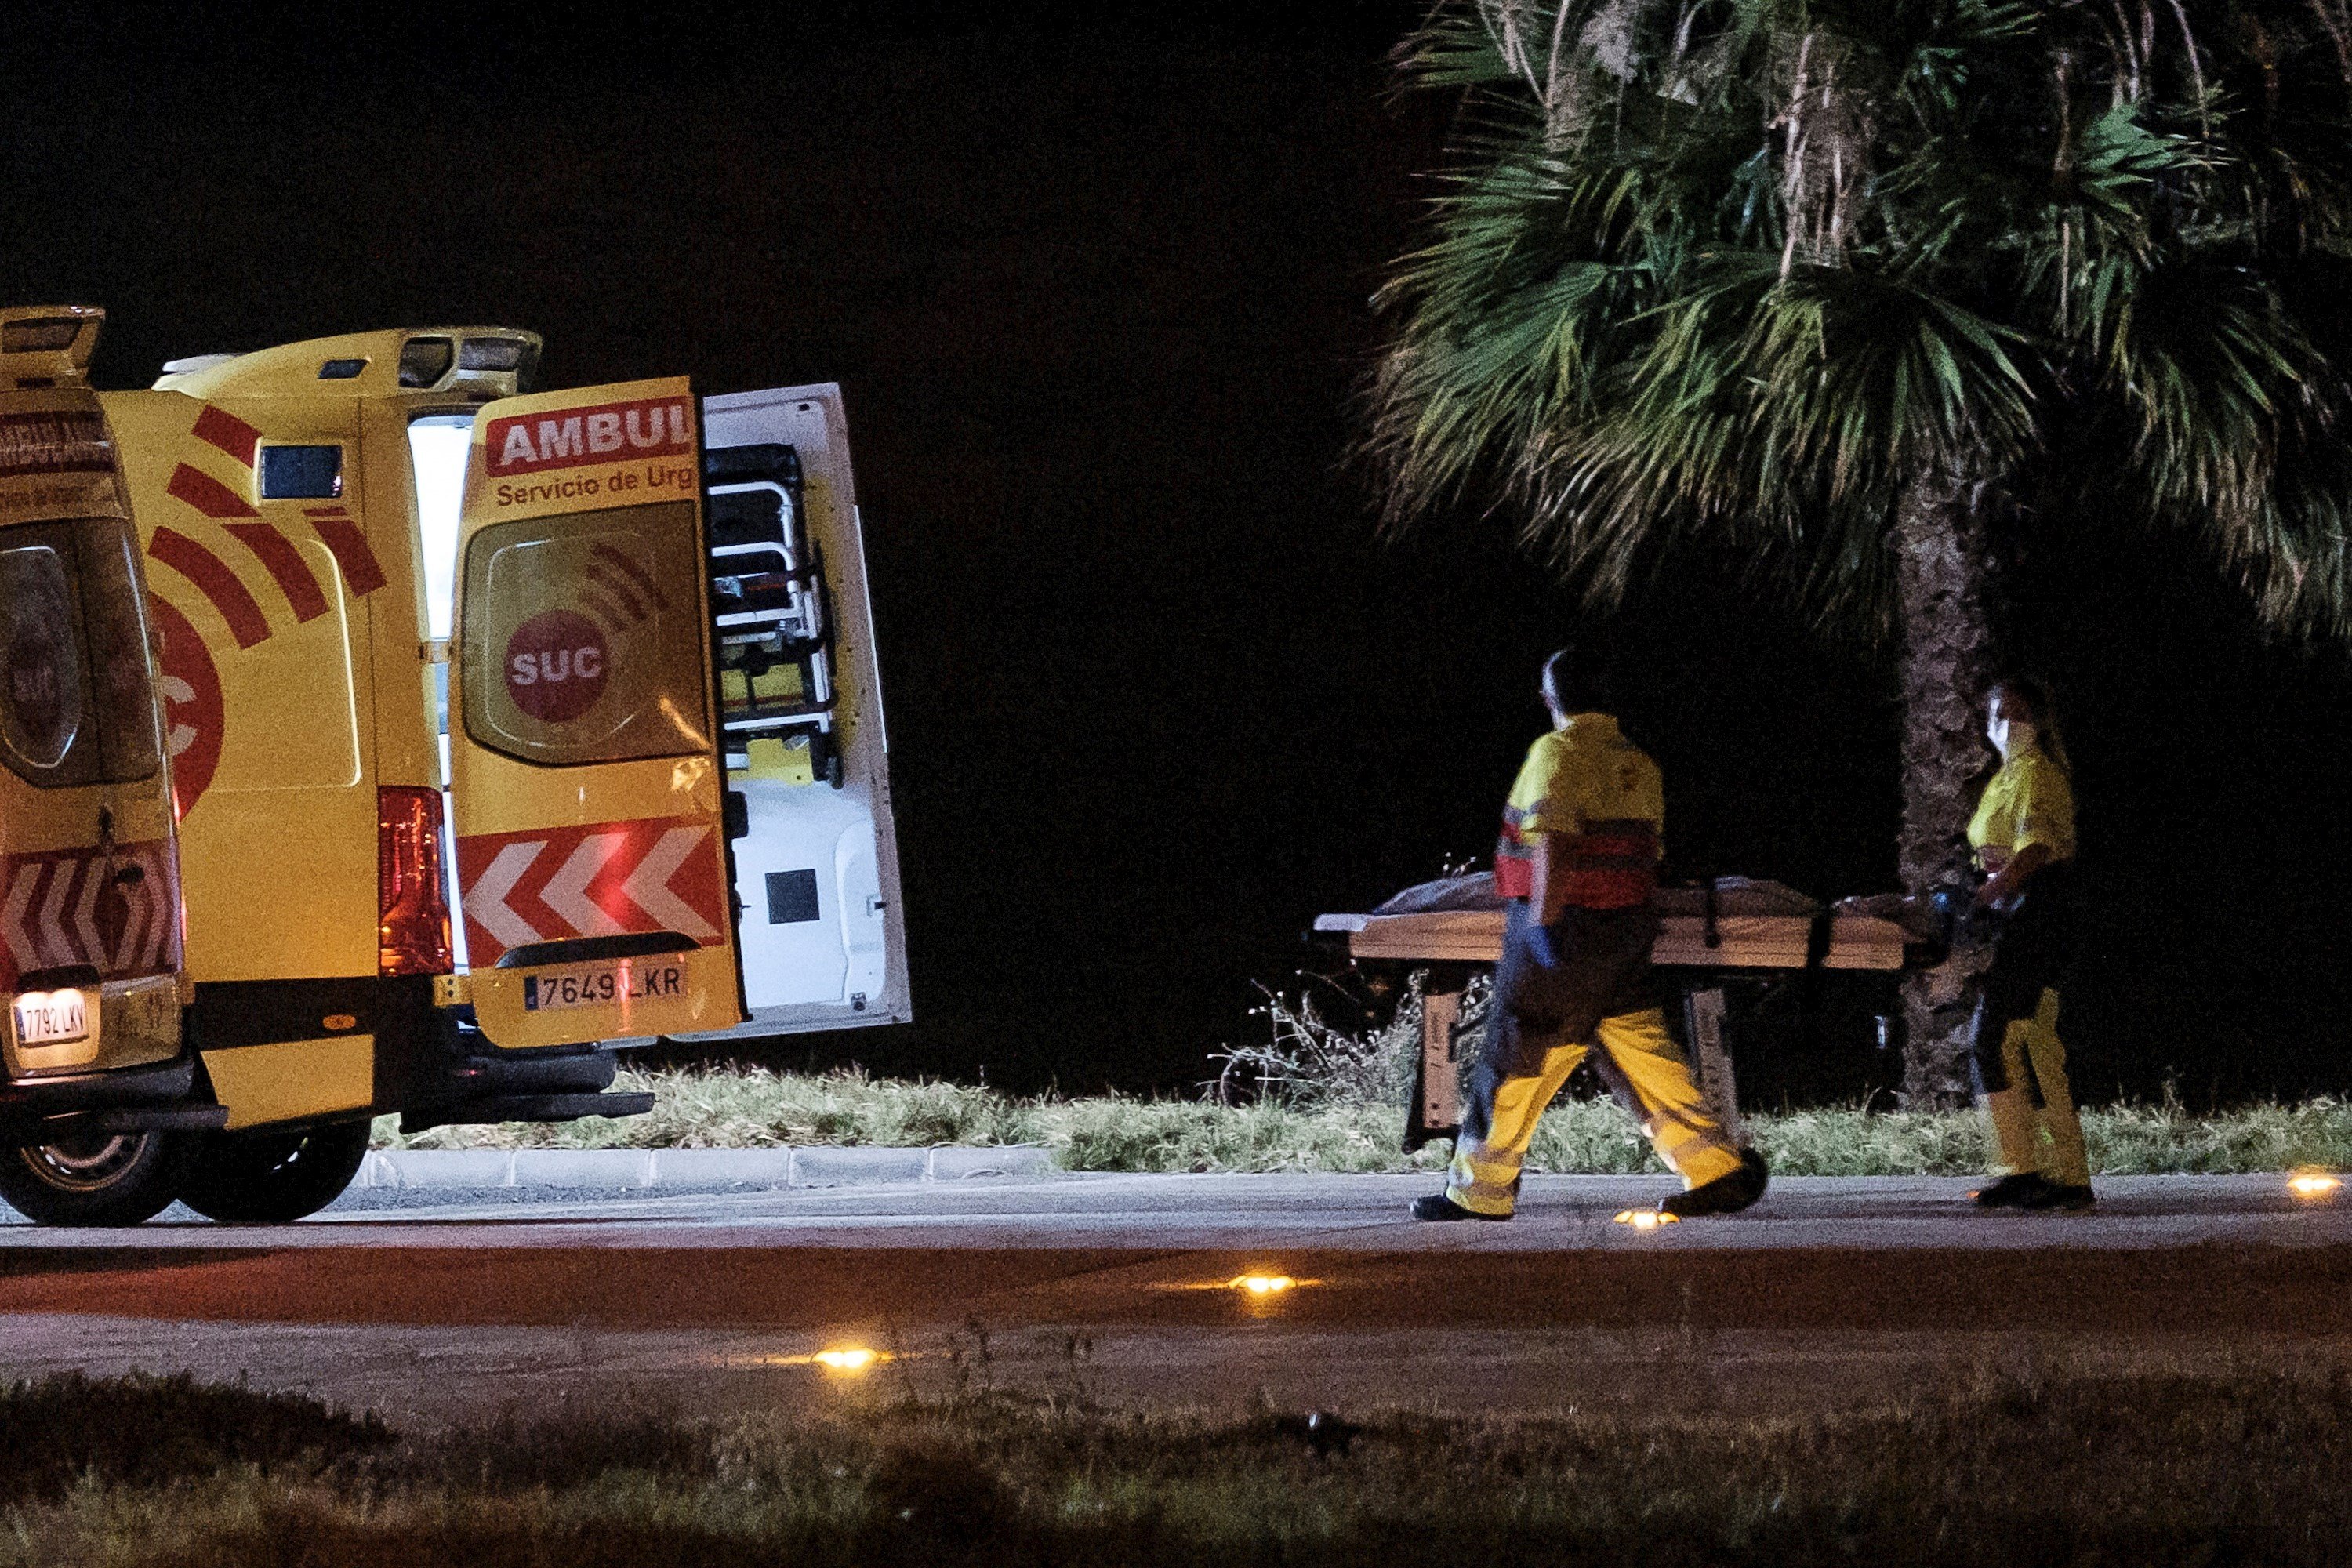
[452, 1304]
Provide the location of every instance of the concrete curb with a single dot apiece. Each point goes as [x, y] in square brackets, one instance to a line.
[692, 1170]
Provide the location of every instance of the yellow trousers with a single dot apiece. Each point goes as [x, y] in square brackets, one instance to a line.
[2047, 1142]
[1485, 1175]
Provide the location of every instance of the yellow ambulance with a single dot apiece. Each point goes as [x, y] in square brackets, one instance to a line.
[421, 631]
[95, 1102]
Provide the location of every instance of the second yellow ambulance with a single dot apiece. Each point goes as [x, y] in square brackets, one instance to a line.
[599, 658]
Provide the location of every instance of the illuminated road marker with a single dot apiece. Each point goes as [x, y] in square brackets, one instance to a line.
[2313, 1184]
[1264, 1284]
[848, 1361]
[1646, 1219]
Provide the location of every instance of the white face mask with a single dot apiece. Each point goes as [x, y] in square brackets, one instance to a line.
[2010, 736]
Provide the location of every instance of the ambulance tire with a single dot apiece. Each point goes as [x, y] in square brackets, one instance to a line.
[105, 1179]
[272, 1178]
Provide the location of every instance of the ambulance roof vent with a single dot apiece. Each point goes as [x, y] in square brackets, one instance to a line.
[43, 345]
[195, 363]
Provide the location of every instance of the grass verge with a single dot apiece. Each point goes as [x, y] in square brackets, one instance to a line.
[2038, 1467]
[753, 1107]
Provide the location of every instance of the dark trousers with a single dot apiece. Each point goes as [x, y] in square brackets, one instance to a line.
[2032, 949]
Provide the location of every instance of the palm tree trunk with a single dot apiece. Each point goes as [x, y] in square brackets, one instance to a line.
[1942, 551]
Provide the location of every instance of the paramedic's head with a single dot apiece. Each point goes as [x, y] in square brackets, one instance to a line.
[1575, 680]
[2020, 708]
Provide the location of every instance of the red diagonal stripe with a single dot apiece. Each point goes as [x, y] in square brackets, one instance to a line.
[604, 610]
[635, 573]
[227, 432]
[361, 571]
[286, 563]
[208, 494]
[214, 580]
[602, 576]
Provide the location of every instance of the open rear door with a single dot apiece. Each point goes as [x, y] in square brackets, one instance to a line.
[89, 907]
[817, 868]
[585, 773]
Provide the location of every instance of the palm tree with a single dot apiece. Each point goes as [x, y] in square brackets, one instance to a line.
[1848, 291]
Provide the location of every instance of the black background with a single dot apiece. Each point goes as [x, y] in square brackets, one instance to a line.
[1095, 288]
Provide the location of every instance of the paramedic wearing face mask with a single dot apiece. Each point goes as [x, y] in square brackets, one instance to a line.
[1578, 865]
[2023, 836]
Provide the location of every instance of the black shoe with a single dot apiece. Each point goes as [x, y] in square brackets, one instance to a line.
[1725, 1194]
[2017, 1192]
[1438, 1206]
[2062, 1200]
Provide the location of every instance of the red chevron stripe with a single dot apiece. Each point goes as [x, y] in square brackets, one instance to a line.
[286, 563]
[361, 571]
[50, 914]
[228, 433]
[697, 882]
[213, 578]
[208, 494]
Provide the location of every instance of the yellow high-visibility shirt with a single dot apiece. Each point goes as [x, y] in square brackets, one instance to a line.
[1582, 777]
[2029, 800]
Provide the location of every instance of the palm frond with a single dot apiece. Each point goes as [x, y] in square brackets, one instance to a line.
[1726, 275]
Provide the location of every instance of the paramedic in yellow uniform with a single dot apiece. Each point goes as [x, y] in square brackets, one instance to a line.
[1578, 864]
[2023, 836]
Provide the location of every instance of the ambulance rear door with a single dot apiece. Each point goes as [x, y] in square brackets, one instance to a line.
[816, 871]
[585, 778]
[89, 908]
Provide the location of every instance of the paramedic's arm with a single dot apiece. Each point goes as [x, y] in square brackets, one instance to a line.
[1548, 895]
[2011, 880]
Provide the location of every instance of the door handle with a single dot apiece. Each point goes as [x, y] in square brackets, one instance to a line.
[130, 875]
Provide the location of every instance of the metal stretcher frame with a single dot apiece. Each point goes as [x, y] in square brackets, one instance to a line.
[1705, 950]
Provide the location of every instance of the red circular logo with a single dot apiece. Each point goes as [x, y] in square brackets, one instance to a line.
[193, 719]
[40, 664]
[557, 666]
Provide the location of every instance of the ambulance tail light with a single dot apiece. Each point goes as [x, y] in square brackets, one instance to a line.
[413, 934]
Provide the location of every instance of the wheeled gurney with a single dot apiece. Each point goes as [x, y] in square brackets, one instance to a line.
[1728, 928]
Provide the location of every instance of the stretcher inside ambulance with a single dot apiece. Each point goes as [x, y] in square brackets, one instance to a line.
[89, 915]
[1728, 927]
[443, 662]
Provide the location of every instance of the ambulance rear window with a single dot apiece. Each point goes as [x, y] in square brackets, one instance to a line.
[77, 694]
[582, 638]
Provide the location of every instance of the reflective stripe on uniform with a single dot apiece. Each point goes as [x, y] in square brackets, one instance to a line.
[1608, 866]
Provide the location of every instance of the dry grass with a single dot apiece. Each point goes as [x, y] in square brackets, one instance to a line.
[753, 1107]
[2039, 1467]
[1316, 1098]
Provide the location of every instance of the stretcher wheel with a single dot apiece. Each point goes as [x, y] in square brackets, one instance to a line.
[272, 1178]
[103, 1179]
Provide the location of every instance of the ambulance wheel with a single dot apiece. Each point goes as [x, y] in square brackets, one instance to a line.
[272, 1178]
[105, 1178]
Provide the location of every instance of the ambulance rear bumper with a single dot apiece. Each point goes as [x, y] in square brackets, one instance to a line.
[479, 1083]
[126, 1099]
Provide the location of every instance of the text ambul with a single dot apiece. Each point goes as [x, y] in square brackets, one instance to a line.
[528, 443]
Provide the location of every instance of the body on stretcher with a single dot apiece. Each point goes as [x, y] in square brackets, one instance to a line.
[1728, 928]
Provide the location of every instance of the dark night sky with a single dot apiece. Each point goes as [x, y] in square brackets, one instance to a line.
[1096, 295]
